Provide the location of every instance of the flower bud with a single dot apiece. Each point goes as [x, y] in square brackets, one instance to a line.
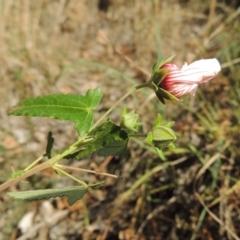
[162, 135]
[181, 81]
[130, 120]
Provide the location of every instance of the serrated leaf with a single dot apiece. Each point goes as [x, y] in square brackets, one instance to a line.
[74, 108]
[115, 148]
[73, 194]
[108, 139]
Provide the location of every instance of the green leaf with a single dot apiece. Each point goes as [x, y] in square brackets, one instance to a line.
[108, 139]
[74, 108]
[49, 145]
[115, 148]
[73, 194]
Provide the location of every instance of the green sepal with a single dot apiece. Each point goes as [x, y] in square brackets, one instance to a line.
[160, 98]
[149, 138]
[165, 94]
[162, 135]
[168, 60]
[160, 63]
[159, 75]
[171, 145]
[156, 66]
[130, 120]
[162, 143]
[160, 153]
[169, 124]
[158, 121]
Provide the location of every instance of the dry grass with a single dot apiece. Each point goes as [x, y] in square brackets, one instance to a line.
[70, 46]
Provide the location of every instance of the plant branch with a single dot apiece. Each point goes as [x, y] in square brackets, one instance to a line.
[49, 163]
[112, 108]
[86, 170]
[137, 135]
[34, 163]
[70, 176]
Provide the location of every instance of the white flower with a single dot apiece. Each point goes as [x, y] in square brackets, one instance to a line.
[180, 82]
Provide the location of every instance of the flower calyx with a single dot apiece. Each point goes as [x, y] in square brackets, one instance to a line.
[158, 75]
[130, 120]
[162, 135]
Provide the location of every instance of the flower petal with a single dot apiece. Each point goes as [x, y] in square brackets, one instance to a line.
[180, 82]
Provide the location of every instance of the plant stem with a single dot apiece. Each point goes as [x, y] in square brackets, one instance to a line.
[49, 163]
[116, 103]
[70, 176]
[144, 85]
[85, 170]
[112, 108]
[137, 135]
[34, 163]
